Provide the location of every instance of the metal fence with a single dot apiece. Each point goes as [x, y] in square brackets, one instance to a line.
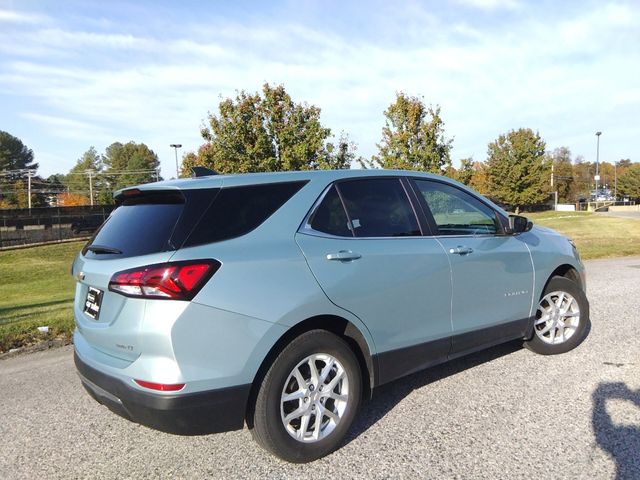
[51, 224]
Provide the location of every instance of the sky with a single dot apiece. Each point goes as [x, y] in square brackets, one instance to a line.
[76, 74]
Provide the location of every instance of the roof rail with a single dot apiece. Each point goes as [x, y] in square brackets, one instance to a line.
[202, 172]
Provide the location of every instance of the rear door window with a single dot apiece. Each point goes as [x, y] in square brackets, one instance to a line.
[378, 207]
[330, 216]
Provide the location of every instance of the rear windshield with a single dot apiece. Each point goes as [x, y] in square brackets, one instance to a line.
[164, 221]
[138, 226]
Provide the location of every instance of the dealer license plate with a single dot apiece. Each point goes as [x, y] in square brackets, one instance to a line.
[92, 303]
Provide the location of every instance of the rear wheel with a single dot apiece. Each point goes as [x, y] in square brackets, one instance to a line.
[308, 398]
[562, 318]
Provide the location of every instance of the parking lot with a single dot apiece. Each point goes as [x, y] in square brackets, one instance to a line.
[502, 413]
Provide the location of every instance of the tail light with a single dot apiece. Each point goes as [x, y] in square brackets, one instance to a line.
[171, 281]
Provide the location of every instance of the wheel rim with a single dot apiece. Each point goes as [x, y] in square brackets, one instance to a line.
[557, 318]
[314, 398]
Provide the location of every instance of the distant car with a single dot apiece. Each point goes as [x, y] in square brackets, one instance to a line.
[86, 224]
[284, 299]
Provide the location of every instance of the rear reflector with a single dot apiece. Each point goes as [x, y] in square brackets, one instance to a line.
[162, 387]
[169, 281]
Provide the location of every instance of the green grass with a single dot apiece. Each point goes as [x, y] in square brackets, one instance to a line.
[596, 236]
[36, 289]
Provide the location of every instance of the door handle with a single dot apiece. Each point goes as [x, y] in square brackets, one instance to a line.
[343, 256]
[460, 250]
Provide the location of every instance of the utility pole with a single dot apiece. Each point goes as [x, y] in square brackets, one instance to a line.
[90, 173]
[176, 146]
[29, 172]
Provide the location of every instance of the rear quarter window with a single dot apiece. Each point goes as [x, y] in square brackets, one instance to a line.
[237, 211]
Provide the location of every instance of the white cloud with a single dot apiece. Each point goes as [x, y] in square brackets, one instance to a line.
[12, 16]
[69, 128]
[491, 4]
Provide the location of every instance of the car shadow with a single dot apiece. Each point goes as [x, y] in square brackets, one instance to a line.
[386, 397]
[620, 441]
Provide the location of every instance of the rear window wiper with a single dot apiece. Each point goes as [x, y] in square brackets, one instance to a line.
[103, 249]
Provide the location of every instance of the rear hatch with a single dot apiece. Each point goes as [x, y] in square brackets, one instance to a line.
[146, 228]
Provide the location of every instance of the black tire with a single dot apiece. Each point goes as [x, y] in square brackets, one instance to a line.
[562, 284]
[268, 427]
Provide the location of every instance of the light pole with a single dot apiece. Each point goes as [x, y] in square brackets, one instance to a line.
[597, 162]
[176, 146]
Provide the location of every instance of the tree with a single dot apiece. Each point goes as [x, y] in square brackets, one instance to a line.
[77, 180]
[72, 200]
[15, 155]
[629, 181]
[15, 159]
[479, 178]
[413, 137]
[337, 156]
[583, 173]
[465, 172]
[562, 174]
[19, 196]
[268, 132]
[518, 172]
[125, 165]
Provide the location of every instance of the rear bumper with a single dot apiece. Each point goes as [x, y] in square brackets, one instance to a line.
[198, 413]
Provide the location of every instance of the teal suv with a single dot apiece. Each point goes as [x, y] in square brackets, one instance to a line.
[282, 300]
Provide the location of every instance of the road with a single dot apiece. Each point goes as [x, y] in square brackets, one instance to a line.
[503, 413]
[633, 215]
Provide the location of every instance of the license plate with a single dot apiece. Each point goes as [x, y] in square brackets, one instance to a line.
[92, 303]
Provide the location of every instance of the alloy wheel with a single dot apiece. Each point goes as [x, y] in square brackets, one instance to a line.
[314, 398]
[557, 318]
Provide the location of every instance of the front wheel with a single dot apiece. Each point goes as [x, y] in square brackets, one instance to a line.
[308, 398]
[562, 318]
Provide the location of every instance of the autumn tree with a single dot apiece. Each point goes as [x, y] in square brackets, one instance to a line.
[562, 172]
[413, 137]
[72, 199]
[629, 181]
[465, 172]
[267, 132]
[583, 173]
[518, 172]
[479, 179]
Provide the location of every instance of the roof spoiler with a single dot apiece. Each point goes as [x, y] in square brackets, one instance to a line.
[202, 172]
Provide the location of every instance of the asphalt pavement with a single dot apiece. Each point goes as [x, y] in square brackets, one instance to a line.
[502, 413]
[632, 215]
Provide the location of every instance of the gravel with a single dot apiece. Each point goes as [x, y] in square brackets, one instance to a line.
[502, 413]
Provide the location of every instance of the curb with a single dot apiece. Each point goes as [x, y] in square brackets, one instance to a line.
[38, 347]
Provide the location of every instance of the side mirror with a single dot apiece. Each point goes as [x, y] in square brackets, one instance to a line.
[519, 224]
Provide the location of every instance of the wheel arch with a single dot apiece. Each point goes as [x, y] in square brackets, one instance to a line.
[334, 324]
[568, 271]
